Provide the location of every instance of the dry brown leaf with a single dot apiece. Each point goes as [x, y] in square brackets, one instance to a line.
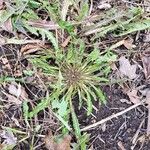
[134, 98]
[50, 144]
[30, 48]
[148, 106]
[13, 99]
[50, 25]
[125, 101]
[64, 144]
[8, 25]
[6, 63]
[9, 137]
[146, 66]
[120, 145]
[126, 68]
[128, 43]
[65, 6]
[141, 139]
[49, 141]
[65, 43]
[147, 4]
[104, 6]
[148, 98]
[147, 37]
[1, 4]
[17, 91]
[1, 146]
[103, 127]
[136, 135]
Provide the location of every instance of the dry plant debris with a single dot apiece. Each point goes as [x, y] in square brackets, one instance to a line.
[50, 143]
[126, 69]
[37, 37]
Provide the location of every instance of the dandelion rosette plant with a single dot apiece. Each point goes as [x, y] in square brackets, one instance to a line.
[76, 73]
[73, 72]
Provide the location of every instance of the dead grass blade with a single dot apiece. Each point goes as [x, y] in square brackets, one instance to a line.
[65, 6]
[50, 25]
[32, 48]
[4, 41]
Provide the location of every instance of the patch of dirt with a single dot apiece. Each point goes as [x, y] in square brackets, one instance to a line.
[118, 130]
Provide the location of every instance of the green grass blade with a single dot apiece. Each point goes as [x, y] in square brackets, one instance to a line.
[41, 106]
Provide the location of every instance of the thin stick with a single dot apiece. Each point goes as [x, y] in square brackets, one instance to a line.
[112, 116]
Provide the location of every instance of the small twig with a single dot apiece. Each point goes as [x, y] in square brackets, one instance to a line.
[112, 116]
[91, 6]
[135, 137]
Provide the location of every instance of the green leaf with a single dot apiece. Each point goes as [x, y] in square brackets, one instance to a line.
[52, 9]
[84, 139]
[75, 121]
[83, 11]
[75, 124]
[67, 26]
[28, 72]
[50, 37]
[38, 62]
[26, 112]
[61, 106]
[5, 15]
[89, 101]
[41, 106]
[135, 26]
[92, 94]
[63, 122]
[29, 15]
[31, 29]
[94, 55]
[34, 4]
[100, 94]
